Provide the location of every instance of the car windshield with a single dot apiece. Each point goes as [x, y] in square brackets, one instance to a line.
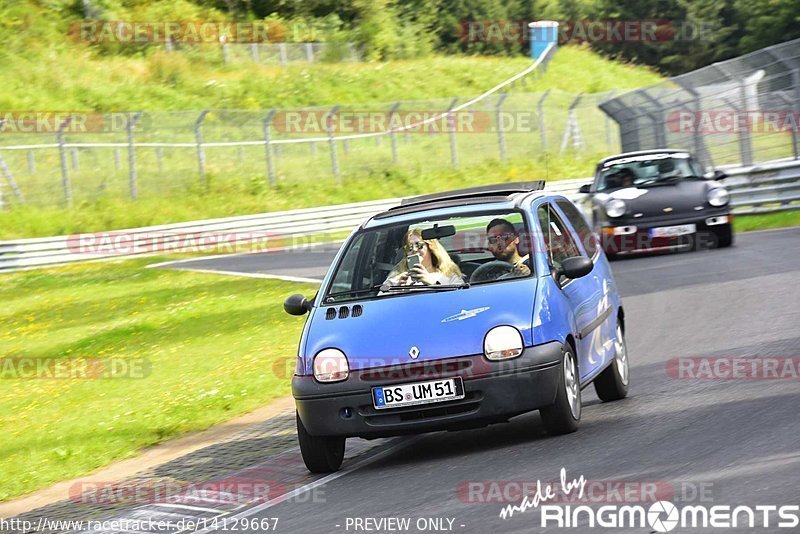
[644, 170]
[447, 254]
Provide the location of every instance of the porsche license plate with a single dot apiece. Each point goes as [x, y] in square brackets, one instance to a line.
[417, 393]
[673, 231]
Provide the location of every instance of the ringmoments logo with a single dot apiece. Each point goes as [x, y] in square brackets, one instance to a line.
[660, 516]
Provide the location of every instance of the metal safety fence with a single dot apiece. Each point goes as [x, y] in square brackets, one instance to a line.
[761, 189]
[736, 112]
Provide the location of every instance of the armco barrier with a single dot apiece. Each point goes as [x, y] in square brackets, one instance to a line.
[759, 189]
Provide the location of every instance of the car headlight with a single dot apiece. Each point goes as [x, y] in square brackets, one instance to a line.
[502, 343]
[615, 208]
[718, 196]
[330, 365]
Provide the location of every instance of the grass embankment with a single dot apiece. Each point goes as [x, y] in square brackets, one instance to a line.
[236, 182]
[213, 347]
[745, 223]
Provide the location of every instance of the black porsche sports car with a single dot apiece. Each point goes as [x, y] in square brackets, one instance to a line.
[657, 200]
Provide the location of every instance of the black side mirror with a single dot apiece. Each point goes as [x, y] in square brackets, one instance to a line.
[297, 305]
[585, 189]
[719, 175]
[576, 267]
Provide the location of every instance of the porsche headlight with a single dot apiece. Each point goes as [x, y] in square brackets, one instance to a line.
[615, 207]
[502, 343]
[330, 365]
[718, 196]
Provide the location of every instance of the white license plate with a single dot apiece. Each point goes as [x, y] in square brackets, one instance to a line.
[673, 231]
[417, 393]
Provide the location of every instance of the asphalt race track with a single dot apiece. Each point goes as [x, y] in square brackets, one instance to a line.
[722, 442]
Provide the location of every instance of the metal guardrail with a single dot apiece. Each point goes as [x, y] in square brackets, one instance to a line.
[759, 189]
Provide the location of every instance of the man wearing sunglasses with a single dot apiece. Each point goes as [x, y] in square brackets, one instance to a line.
[503, 242]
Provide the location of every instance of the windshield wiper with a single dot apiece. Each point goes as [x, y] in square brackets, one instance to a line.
[423, 287]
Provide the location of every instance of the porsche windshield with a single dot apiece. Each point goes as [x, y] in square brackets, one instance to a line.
[646, 170]
[432, 255]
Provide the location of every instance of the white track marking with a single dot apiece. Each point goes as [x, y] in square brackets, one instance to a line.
[317, 483]
[188, 507]
[265, 251]
[256, 275]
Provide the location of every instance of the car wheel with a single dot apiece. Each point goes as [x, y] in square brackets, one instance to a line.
[725, 236]
[612, 383]
[321, 454]
[563, 415]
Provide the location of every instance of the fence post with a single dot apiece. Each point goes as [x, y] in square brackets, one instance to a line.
[10, 179]
[501, 135]
[282, 53]
[31, 162]
[63, 158]
[452, 134]
[332, 143]
[116, 159]
[572, 129]
[160, 159]
[796, 84]
[133, 186]
[540, 111]
[224, 47]
[75, 161]
[609, 141]
[201, 153]
[393, 133]
[310, 52]
[268, 147]
[254, 52]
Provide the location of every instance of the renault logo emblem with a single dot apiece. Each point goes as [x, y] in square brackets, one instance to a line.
[414, 353]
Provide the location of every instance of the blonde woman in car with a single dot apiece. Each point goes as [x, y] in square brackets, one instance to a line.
[434, 267]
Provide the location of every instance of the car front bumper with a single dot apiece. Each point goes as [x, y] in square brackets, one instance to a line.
[494, 392]
[634, 236]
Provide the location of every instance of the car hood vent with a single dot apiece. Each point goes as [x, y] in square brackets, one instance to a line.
[343, 312]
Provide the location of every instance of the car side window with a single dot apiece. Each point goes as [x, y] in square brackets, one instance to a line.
[585, 234]
[557, 238]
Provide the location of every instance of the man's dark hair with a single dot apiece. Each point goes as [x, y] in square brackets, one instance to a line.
[499, 222]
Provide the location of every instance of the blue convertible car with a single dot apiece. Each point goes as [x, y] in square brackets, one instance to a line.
[458, 310]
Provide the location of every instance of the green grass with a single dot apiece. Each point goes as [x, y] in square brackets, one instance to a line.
[745, 223]
[217, 347]
[75, 78]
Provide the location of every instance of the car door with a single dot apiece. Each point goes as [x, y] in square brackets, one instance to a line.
[602, 337]
[582, 294]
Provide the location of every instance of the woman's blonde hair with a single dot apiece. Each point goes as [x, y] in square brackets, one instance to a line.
[439, 257]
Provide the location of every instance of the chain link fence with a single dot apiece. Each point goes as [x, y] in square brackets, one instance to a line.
[169, 153]
[741, 111]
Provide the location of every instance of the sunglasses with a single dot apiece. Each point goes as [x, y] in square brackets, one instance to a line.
[419, 245]
[500, 238]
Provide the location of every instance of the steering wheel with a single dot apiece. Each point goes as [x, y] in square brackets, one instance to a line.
[491, 271]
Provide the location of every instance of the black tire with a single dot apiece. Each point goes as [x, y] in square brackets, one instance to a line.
[321, 454]
[612, 383]
[725, 237]
[562, 416]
